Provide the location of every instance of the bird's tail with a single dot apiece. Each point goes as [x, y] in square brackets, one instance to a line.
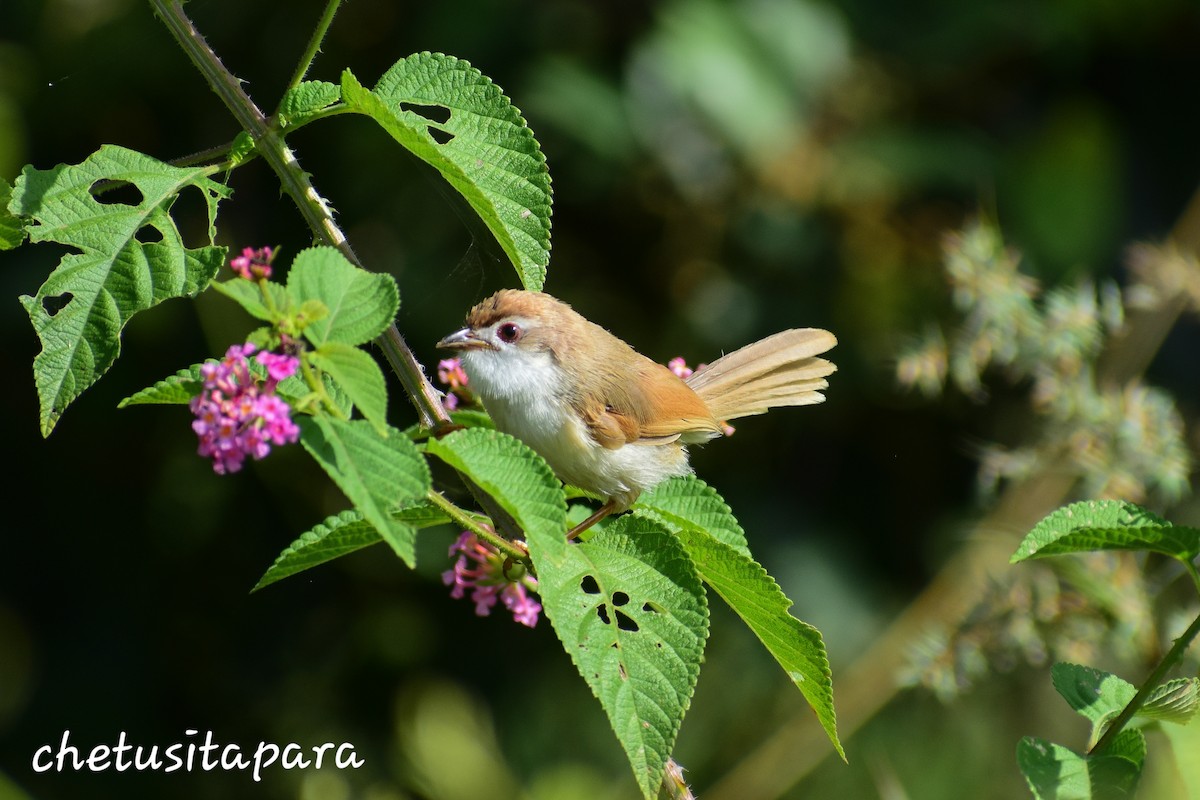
[780, 370]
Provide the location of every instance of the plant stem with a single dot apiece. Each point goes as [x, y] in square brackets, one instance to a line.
[268, 141]
[1169, 660]
[467, 521]
[314, 44]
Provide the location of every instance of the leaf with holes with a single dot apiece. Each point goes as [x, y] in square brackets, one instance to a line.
[630, 610]
[78, 313]
[1045, 537]
[341, 535]
[450, 115]
[378, 473]
[755, 596]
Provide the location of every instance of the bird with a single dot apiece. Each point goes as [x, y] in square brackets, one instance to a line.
[606, 418]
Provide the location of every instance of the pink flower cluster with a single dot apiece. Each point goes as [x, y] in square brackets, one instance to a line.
[254, 264]
[450, 373]
[481, 569]
[238, 415]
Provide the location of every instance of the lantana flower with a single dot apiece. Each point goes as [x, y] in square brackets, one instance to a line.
[239, 415]
[483, 570]
[254, 264]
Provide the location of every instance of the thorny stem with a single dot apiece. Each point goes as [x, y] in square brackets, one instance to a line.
[1169, 660]
[316, 212]
[314, 43]
[488, 535]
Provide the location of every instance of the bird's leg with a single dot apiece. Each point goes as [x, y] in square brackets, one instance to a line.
[603, 511]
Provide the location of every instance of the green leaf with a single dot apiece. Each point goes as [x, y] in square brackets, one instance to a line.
[361, 304]
[242, 150]
[1097, 695]
[306, 99]
[689, 501]
[1174, 701]
[185, 384]
[249, 296]
[1106, 514]
[630, 610]
[12, 230]
[114, 275]
[509, 471]
[340, 535]
[643, 678]
[1054, 772]
[448, 114]
[755, 597]
[1177, 541]
[359, 376]
[177, 389]
[377, 473]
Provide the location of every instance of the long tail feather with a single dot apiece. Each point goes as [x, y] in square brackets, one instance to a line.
[781, 370]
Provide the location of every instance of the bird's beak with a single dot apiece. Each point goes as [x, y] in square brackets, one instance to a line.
[464, 339]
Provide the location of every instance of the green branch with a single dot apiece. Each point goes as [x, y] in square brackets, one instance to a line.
[314, 43]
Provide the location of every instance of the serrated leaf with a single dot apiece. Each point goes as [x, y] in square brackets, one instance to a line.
[377, 473]
[755, 597]
[1177, 541]
[177, 389]
[1058, 524]
[12, 230]
[359, 376]
[1097, 695]
[509, 471]
[490, 157]
[340, 535]
[690, 501]
[642, 681]
[249, 296]
[1054, 772]
[243, 149]
[630, 610]
[114, 275]
[304, 100]
[360, 304]
[1174, 701]
[185, 384]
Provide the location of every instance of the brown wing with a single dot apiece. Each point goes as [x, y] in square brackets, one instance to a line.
[652, 407]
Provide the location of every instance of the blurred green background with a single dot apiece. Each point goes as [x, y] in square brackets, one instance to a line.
[721, 170]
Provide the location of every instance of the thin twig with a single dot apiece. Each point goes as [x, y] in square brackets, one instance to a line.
[314, 45]
[316, 212]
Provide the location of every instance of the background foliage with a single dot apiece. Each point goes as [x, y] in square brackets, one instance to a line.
[721, 170]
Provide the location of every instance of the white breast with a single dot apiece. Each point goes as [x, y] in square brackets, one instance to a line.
[524, 394]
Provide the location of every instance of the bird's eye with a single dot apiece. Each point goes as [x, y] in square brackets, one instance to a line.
[509, 332]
